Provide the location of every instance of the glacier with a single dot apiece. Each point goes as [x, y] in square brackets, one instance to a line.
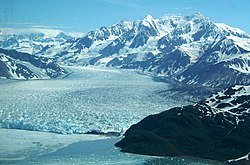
[89, 99]
[50, 116]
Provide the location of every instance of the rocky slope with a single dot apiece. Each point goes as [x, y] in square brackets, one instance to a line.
[216, 128]
[17, 65]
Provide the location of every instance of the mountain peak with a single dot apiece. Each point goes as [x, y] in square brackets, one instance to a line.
[148, 17]
[149, 24]
[148, 21]
[198, 15]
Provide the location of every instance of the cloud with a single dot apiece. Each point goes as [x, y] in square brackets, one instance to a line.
[183, 8]
[50, 27]
[21, 31]
[31, 25]
[17, 23]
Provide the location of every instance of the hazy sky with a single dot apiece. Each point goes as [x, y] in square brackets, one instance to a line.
[86, 15]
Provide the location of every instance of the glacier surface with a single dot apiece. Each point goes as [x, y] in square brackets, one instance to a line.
[89, 99]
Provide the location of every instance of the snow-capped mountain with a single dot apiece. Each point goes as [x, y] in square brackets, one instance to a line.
[17, 65]
[81, 50]
[190, 49]
[33, 40]
[216, 128]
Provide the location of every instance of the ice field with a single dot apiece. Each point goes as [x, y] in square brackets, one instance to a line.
[88, 99]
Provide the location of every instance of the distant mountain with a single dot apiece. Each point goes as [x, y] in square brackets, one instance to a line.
[190, 49]
[81, 50]
[33, 40]
[17, 65]
[216, 128]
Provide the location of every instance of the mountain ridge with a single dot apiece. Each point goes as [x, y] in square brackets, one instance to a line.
[190, 49]
[172, 46]
[23, 66]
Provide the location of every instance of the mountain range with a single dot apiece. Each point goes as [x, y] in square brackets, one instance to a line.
[33, 40]
[19, 53]
[189, 49]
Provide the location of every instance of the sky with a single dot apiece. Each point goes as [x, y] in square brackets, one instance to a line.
[87, 15]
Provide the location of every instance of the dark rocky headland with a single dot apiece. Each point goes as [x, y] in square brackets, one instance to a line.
[216, 128]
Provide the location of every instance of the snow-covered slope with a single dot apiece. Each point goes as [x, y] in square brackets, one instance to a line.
[227, 100]
[81, 50]
[233, 103]
[17, 65]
